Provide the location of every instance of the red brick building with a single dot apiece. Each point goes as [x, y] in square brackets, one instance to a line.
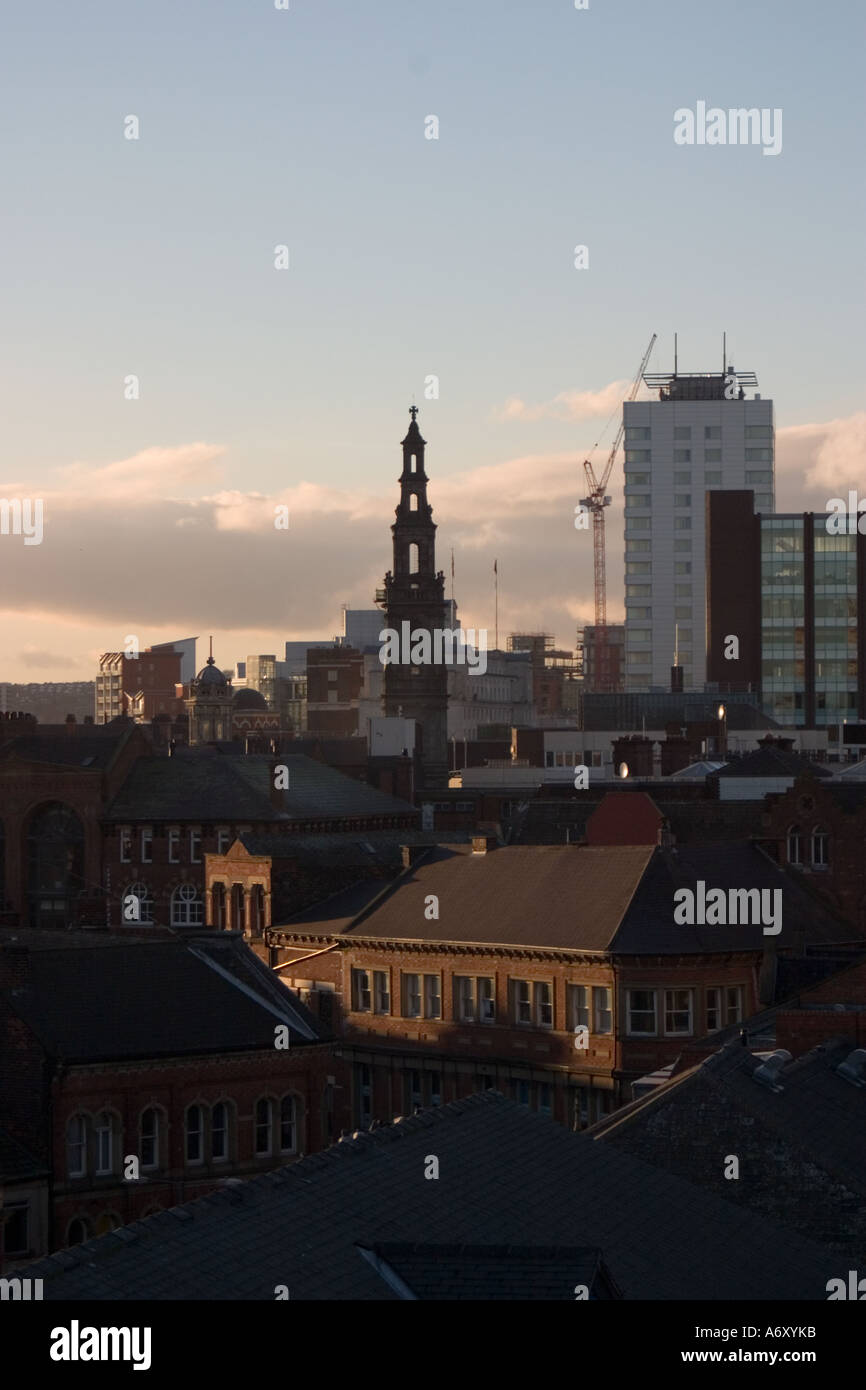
[335, 676]
[477, 966]
[144, 1072]
[817, 830]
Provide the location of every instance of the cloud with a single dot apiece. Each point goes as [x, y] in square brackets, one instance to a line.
[140, 558]
[571, 405]
[33, 657]
[820, 460]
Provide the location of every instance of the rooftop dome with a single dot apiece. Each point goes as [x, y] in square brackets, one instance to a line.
[211, 677]
[249, 699]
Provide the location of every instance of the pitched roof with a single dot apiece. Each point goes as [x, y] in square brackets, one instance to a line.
[571, 897]
[16, 1163]
[802, 1148]
[202, 784]
[770, 761]
[530, 895]
[507, 1177]
[169, 997]
[649, 923]
[93, 751]
[432, 1271]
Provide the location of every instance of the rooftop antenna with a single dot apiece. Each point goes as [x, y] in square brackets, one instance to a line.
[676, 644]
[675, 354]
[724, 354]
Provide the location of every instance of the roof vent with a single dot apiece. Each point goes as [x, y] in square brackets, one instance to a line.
[767, 1074]
[853, 1069]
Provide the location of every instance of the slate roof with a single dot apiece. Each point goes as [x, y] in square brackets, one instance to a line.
[802, 1149]
[618, 899]
[203, 785]
[649, 923]
[427, 1272]
[553, 896]
[94, 751]
[16, 1163]
[345, 848]
[771, 761]
[170, 997]
[507, 1177]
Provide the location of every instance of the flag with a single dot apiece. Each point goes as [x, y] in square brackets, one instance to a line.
[495, 566]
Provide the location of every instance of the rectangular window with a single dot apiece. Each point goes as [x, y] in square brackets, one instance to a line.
[638, 590]
[759, 456]
[683, 612]
[264, 1124]
[638, 567]
[639, 523]
[602, 1013]
[195, 847]
[682, 431]
[224, 840]
[682, 499]
[724, 1006]
[125, 845]
[678, 1011]
[361, 993]
[174, 846]
[640, 634]
[682, 567]
[682, 591]
[759, 431]
[578, 1007]
[147, 845]
[522, 1001]
[759, 477]
[150, 1139]
[712, 456]
[637, 456]
[435, 1088]
[682, 455]
[520, 1092]
[683, 478]
[381, 992]
[414, 1094]
[332, 675]
[642, 614]
[637, 479]
[486, 999]
[543, 1004]
[411, 996]
[642, 1012]
[194, 1134]
[545, 1098]
[712, 431]
[683, 546]
[635, 433]
[682, 523]
[432, 996]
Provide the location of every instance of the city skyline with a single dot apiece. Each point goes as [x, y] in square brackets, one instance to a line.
[408, 258]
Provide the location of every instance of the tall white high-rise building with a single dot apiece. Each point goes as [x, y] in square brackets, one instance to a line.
[702, 433]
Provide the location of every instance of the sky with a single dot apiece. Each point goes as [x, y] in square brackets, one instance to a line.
[408, 258]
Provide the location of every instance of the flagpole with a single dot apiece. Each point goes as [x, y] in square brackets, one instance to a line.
[496, 592]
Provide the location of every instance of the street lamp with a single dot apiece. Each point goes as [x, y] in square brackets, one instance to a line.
[723, 731]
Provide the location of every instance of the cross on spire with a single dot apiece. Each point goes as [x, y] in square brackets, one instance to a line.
[413, 411]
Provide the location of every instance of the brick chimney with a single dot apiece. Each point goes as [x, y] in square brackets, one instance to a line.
[71, 724]
[411, 854]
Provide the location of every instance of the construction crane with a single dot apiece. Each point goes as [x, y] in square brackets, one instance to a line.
[596, 503]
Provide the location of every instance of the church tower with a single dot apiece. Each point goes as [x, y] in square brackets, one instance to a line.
[414, 600]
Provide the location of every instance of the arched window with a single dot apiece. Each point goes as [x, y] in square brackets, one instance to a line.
[264, 1126]
[104, 1136]
[219, 1132]
[288, 1125]
[76, 1146]
[413, 558]
[150, 1126]
[77, 1231]
[795, 845]
[820, 848]
[141, 910]
[413, 502]
[195, 1134]
[55, 865]
[187, 907]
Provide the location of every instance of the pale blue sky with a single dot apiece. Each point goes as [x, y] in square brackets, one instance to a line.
[408, 256]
